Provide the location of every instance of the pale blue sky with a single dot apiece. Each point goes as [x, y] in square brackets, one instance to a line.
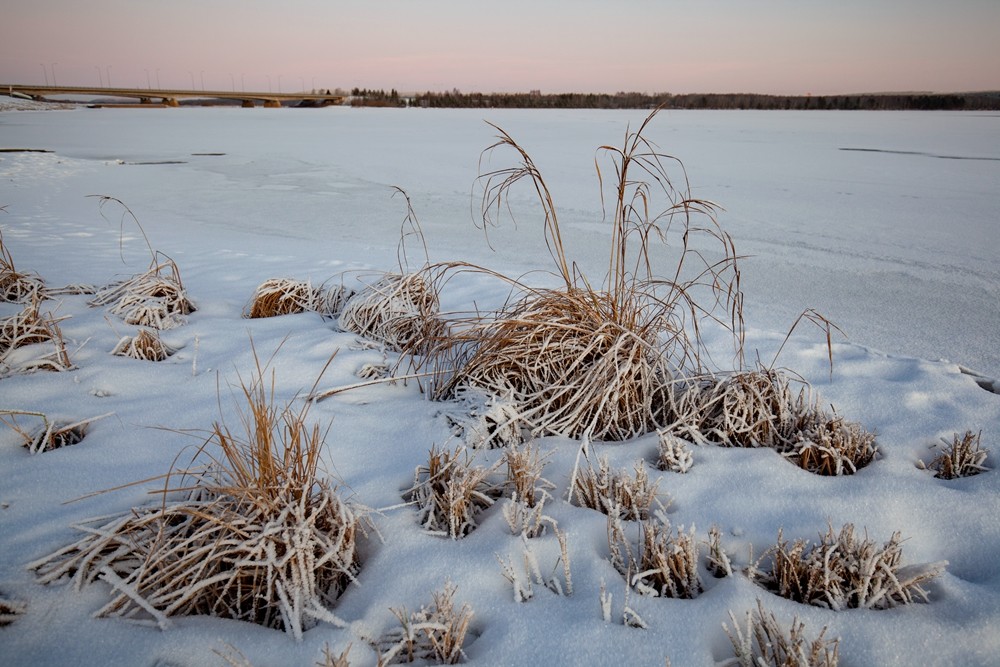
[766, 46]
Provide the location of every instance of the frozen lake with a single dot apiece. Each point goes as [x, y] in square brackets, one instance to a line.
[886, 222]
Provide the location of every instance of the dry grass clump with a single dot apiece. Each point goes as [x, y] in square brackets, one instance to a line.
[28, 328]
[398, 310]
[617, 493]
[11, 610]
[830, 445]
[962, 457]
[763, 642]
[527, 490]
[284, 296]
[842, 572]
[487, 420]
[155, 299]
[144, 346]
[747, 409]
[254, 535]
[17, 286]
[449, 492]
[433, 635]
[661, 563]
[52, 435]
[581, 359]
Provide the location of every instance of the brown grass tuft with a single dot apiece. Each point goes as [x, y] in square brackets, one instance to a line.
[662, 563]
[11, 610]
[255, 534]
[28, 328]
[144, 346]
[585, 360]
[433, 635]
[617, 493]
[155, 299]
[449, 492]
[842, 572]
[762, 642]
[962, 457]
[284, 296]
[399, 310]
[830, 445]
[17, 286]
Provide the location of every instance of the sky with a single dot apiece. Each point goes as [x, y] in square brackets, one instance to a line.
[676, 46]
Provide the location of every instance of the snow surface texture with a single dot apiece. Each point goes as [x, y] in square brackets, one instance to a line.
[896, 243]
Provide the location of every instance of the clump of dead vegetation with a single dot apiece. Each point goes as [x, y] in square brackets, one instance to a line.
[11, 610]
[51, 435]
[661, 563]
[830, 445]
[761, 408]
[144, 346]
[599, 358]
[435, 634]
[398, 310]
[285, 296]
[616, 492]
[761, 641]
[17, 286]
[155, 298]
[30, 327]
[450, 492]
[254, 533]
[962, 457]
[843, 571]
[485, 420]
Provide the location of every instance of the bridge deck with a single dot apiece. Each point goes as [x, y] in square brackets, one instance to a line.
[171, 94]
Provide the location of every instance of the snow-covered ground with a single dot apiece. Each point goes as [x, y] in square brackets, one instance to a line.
[884, 222]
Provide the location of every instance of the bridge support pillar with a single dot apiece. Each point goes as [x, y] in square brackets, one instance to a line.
[170, 102]
[248, 104]
[272, 104]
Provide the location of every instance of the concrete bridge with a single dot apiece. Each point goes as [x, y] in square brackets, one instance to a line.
[169, 97]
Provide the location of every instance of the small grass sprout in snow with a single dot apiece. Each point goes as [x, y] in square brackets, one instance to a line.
[674, 454]
[449, 492]
[962, 457]
[843, 571]
[581, 359]
[662, 563]
[523, 586]
[254, 535]
[11, 610]
[762, 642]
[284, 296]
[718, 560]
[433, 635]
[52, 435]
[144, 346]
[617, 493]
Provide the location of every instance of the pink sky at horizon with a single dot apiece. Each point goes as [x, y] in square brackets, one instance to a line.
[677, 46]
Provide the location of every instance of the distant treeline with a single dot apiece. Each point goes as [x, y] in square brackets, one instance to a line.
[537, 100]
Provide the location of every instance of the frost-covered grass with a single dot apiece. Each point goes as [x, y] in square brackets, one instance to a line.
[282, 202]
